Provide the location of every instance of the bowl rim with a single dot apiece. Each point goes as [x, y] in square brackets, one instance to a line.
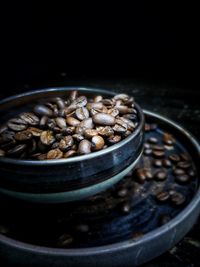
[76, 158]
[119, 246]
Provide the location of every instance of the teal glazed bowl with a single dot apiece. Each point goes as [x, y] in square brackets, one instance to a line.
[63, 180]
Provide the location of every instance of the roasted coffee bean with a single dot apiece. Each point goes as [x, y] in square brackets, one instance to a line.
[23, 135]
[97, 142]
[128, 123]
[55, 154]
[148, 174]
[17, 150]
[84, 147]
[168, 139]
[60, 103]
[122, 192]
[157, 163]
[104, 119]
[29, 118]
[158, 148]
[158, 153]
[164, 218]
[66, 143]
[78, 137]
[105, 131]
[43, 121]
[184, 164]
[113, 112]
[17, 124]
[80, 130]
[174, 158]
[166, 163]
[69, 154]
[65, 240]
[47, 137]
[80, 102]
[114, 139]
[160, 175]
[73, 95]
[148, 152]
[55, 145]
[153, 140]
[147, 146]
[191, 173]
[178, 171]
[141, 175]
[51, 124]
[185, 157]
[82, 228]
[126, 208]
[124, 109]
[43, 110]
[89, 133]
[34, 131]
[120, 128]
[87, 123]
[162, 196]
[182, 178]
[178, 199]
[3, 128]
[96, 106]
[72, 121]
[147, 127]
[68, 130]
[82, 113]
[61, 122]
[2, 153]
[98, 98]
[123, 97]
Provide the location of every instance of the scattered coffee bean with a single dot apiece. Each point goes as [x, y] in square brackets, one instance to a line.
[182, 179]
[157, 163]
[160, 175]
[126, 208]
[178, 171]
[178, 199]
[65, 240]
[184, 164]
[168, 139]
[147, 146]
[191, 173]
[147, 151]
[166, 163]
[140, 175]
[162, 196]
[174, 158]
[158, 153]
[153, 140]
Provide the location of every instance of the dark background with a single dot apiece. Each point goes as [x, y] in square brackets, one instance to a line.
[148, 50]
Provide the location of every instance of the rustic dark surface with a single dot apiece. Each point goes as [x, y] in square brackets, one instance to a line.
[180, 105]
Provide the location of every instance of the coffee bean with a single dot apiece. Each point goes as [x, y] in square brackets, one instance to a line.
[66, 143]
[160, 175]
[55, 145]
[60, 103]
[113, 112]
[80, 101]
[17, 124]
[3, 128]
[98, 98]
[61, 122]
[130, 116]
[95, 106]
[34, 131]
[162, 196]
[148, 174]
[84, 147]
[55, 154]
[126, 208]
[2, 153]
[82, 113]
[78, 137]
[153, 140]
[178, 171]
[122, 192]
[168, 139]
[158, 148]
[174, 158]
[182, 178]
[97, 142]
[147, 152]
[123, 97]
[73, 95]
[89, 133]
[140, 175]
[147, 146]
[80, 130]
[23, 135]
[191, 173]
[104, 119]
[47, 138]
[72, 121]
[68, 130]
[105, 131]
[17, 150]
[120, 128]
[178, 199]
[147, 127]
[69, 154]
[184, 164]
[108, 102]
[113, 139]
[166, 163]
[87, 123]
[157, 163]
[158, 153]
[29, 118]
[42, 110]
[185, 157]
[43, 121]
[65, 240]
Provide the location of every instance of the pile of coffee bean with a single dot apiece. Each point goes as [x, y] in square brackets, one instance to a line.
[66, 127]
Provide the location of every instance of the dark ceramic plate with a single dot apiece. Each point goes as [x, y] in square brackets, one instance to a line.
[114, 238]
